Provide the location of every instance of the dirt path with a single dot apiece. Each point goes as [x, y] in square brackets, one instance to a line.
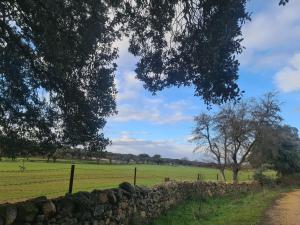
[286, 210]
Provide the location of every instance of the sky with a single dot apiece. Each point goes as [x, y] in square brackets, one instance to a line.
[162, 124]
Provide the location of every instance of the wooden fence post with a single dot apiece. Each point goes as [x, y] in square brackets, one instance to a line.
[198, 178]
[71, 179]
[134, 181]
[217, 177]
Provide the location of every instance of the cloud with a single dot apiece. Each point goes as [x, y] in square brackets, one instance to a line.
[272, 36]
[166, 148]
[288, 78]
[128, 86]
[134, 105]
[150, 113]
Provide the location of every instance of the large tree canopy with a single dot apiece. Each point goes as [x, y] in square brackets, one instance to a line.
[57, 60]
[188, 43]
[56, 71]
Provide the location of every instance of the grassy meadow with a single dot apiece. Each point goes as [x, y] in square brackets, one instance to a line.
[52, 179]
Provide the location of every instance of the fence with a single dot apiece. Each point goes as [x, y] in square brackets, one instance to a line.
[21, 184]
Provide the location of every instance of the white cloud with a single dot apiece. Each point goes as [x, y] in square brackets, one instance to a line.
[272, 35]
[150, 113]
[133, 105]
[166, 148]
[128, 86]
[288, 78]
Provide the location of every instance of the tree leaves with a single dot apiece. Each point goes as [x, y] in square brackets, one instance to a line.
[57, 70]
[183, 43]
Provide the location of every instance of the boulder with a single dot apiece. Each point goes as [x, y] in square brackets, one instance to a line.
[27, 211]
[102, 197]
[127, 187]
[111, 197]
[48, 208]
[8, 214]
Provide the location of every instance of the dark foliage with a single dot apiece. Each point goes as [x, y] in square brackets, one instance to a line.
[56, 71]
[280, 148]
[183, 43]
[283, 2]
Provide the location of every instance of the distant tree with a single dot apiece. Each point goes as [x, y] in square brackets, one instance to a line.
[242, 125]
[157, 159]
[144, 158]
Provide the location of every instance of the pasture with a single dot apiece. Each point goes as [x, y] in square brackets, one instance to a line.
[52, 179]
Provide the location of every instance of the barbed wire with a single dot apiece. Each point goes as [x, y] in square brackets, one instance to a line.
[34, 182]
[24, 171]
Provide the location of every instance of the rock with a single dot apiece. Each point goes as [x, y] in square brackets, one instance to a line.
[8, 213]
[99, 210]
[48, 208]
[82, 201]
[27, 211]
[40, 218]
[39, 200]
[127, 187]
[11, 215]
[102, 197]
[1, 221]
[111, 197]
[143, 214]
[64, 206]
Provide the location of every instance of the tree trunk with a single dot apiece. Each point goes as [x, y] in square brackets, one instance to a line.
[235, 172]
[223, 174]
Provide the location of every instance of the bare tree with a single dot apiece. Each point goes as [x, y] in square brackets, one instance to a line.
[231, 134]
[210, 136]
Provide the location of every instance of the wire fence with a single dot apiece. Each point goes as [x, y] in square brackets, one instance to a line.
[18, 185]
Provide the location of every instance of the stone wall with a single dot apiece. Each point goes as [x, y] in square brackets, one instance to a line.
[126, 205]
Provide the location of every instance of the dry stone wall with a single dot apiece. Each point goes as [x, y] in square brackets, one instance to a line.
[126, 205]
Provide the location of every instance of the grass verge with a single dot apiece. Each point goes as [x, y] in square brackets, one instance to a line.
[238, 209]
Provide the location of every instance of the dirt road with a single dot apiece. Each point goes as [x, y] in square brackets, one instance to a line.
[286, 210]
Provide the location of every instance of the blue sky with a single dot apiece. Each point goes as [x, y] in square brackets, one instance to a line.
[162, 124]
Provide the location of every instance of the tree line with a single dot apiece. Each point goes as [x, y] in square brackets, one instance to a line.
[104, 157]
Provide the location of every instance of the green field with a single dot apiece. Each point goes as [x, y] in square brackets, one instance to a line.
[239, 209]
[52, 179]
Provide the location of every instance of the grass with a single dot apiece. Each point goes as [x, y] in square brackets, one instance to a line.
[240, 209]
[52, 179]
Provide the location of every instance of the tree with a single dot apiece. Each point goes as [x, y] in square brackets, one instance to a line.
[56, 69]
[280, 149]
[231, 135]
[184, 43]
[211, 136]
[144, 158]
[157, 159]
